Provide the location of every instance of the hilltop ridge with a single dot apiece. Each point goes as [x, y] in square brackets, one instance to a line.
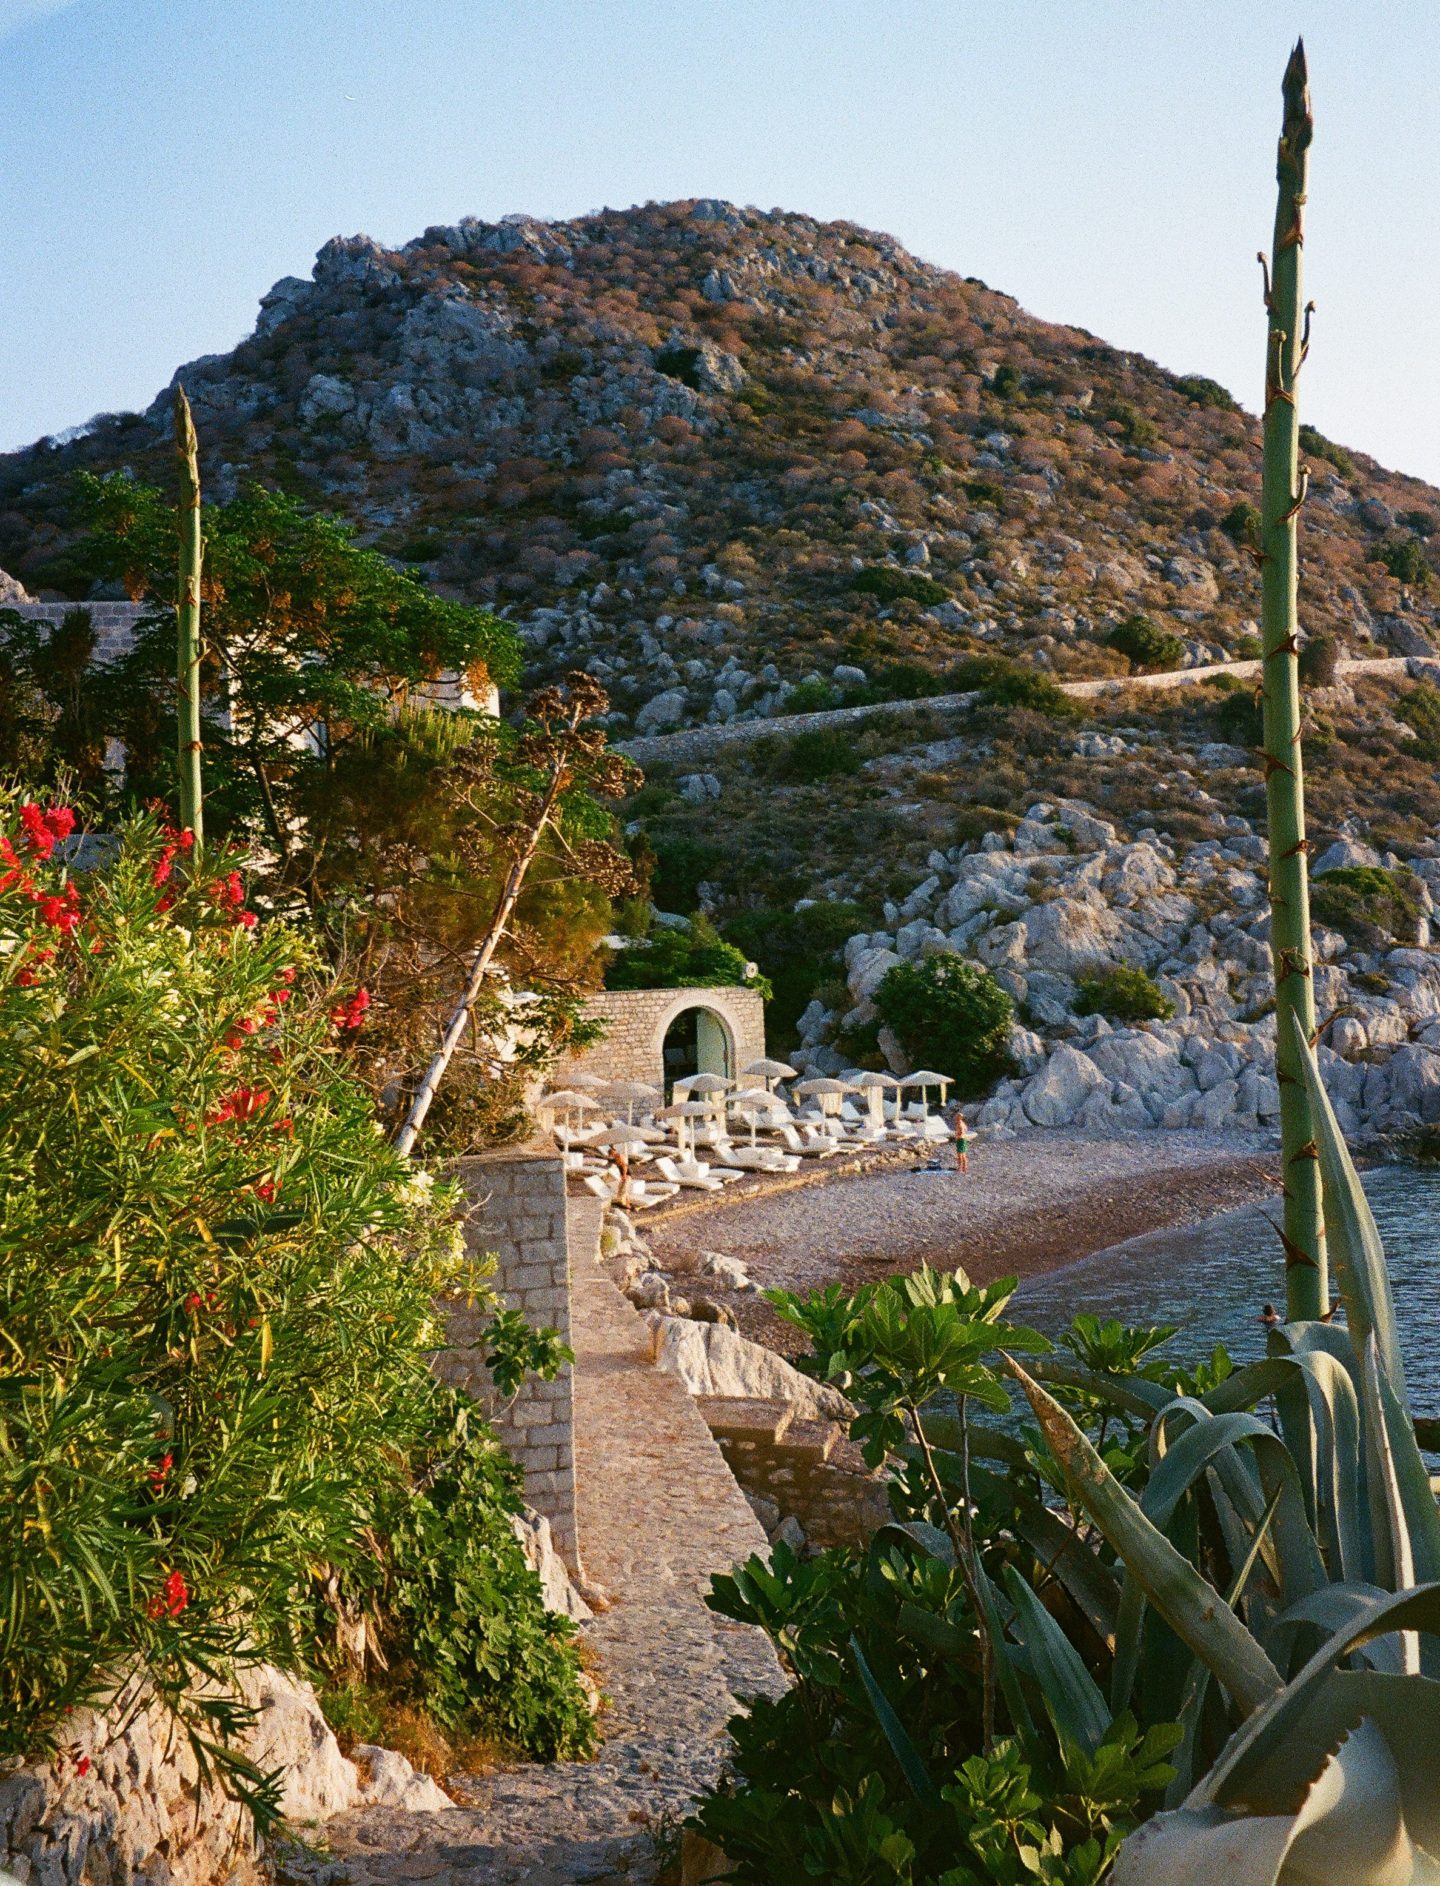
[715, 453]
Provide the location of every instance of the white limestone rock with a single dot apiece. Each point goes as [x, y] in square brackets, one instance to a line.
[1056, 1094]
[388, 1780]
[710, 1359]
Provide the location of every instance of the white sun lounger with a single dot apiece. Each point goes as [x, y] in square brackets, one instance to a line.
[702, 1180]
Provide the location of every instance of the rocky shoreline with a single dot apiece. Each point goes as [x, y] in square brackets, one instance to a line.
[1029, 1205]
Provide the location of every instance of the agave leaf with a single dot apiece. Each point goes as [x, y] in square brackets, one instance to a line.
[1350, 1826]
[1350, 1228]
[1190, 1605]
[1204, 1445]
[1071, 1697]
[1331, 1609]
[931, 1540]
[1282, 1715]
[901, 1747]
[1132, 1394]
[1007, 1670]
[1089, 1581]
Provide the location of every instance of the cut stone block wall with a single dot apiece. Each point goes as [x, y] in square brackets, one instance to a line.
[637, 1021]
[113, 622]
[521, 1215]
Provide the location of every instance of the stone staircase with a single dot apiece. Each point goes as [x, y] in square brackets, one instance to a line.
[807, 1468]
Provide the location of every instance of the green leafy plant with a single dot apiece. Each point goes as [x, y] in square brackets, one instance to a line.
[1369, 905]
[890, 585]
[796, 951]
[951, 1011]
[1241, 523]
[1002, 683]
[816, 754]
[1203, 392]
[1124, 993]
[1320, 661]
[1145, 645]
[1405, 559]
[697, 957]
[1315, 445]
[219, 1303]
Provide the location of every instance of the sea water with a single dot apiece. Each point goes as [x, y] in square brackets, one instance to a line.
[1214, 1279]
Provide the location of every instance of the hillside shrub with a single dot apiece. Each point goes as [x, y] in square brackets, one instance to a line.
[218, 1303]
[1419, 708]
[1145, 645]
[1241, 523]
[950, 1014]
[1003, 683]
[1319, 661]
[1124, 994]
[1201, 391]
[817, 753]
[681, 959]
[1404, 558]
[796, 950]
[890, 585]
[1368, 905]
[681, 866]
[1316, 445]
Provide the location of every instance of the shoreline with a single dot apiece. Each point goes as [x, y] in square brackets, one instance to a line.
[1028, 1207]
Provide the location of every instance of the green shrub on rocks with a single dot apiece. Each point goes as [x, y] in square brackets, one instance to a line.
[950, 1013]
[1124, 994]
[890, 585]
[1368, 905]
[795, 949]
[683, 959]
[1145, 645]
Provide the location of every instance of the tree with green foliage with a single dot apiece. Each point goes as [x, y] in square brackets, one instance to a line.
[796, 951]
[695, 957]
[951, 1014]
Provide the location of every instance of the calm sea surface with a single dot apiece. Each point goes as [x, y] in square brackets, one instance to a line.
[1213, 1278]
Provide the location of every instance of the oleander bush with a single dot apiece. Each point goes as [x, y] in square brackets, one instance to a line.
[218, 1432]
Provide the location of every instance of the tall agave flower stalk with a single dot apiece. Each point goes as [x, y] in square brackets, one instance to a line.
[1306, 1283]
[187, 613]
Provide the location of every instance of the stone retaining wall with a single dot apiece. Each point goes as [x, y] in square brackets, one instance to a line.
[694, 743]
[113, 622]
[522, 1215]
[805, 1468]
[637, 1021]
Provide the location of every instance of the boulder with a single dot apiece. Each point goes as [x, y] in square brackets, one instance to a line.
[12, 593]
[661, 712]
[388, 1780]
[532, 1529]
[869, 970]
[1069, 936]
[1056, 1094]
[1149, 1063]
[1344, 853]
[710, 1359]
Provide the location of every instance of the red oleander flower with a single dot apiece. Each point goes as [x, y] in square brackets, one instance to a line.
[266, 1189]
[28, 974]
[162, 1467]
[349, 1016]
[44, 830]
[61, 911]
[82, 1767]
[194, 1303]
[171, 1599]
[242, 1104]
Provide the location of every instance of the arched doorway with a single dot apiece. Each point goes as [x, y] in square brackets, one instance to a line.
[698, 1041]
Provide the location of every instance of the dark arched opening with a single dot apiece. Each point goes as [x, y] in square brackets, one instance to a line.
[697, 1042]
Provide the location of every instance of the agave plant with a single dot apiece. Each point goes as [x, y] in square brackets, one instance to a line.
[1306, 1642]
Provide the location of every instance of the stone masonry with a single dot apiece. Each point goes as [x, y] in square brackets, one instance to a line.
[113, 622]
[520, 1215]
[637, 1021]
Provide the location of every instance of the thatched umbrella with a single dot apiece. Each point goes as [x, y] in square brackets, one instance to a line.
[629, 1094]
[925, 1079]
[875, 1086]
[752, 1102]
[827, 1091]
[567, 1102]
[588, 1081]
[702, 1086]
[771, 1071]
[682, 1112]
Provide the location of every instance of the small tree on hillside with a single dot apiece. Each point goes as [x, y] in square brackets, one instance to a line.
[538, 796]
[949, 1012]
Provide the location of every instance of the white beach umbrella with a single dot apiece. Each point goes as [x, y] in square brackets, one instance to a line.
[588, 1081]
[703, 1084]
[771, 1071]
[621, 1135]
[630, 1094]
[567, 1103]
[828, 1091]
[925, 1078]
[755, 1104]
[683, 1112]
[875, 1086]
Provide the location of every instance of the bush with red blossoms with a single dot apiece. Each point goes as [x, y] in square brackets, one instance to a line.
[216, 1289]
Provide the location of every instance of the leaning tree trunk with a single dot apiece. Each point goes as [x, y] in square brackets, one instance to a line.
[187, 612]
[1306, 1284]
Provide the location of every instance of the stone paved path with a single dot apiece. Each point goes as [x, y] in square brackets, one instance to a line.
[659, 1512]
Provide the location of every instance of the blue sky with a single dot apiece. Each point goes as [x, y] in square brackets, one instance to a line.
[1109, 162]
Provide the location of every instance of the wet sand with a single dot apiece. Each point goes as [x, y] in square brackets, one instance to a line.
[1026, 1206]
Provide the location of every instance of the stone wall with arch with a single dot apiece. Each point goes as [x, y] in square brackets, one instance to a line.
[638, 1021]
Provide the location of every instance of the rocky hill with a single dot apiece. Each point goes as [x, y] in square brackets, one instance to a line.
[715, 454]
